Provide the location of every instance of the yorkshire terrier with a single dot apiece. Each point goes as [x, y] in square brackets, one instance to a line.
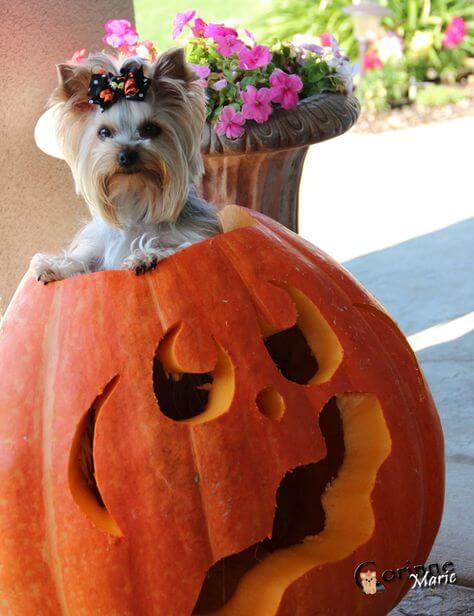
[131, 134]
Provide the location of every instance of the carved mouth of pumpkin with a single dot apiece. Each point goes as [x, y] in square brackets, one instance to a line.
[318, 513]
[299, 514]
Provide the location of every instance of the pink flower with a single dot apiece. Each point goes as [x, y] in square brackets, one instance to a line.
[230, 123]
[371, 60]
[285, 88]
[181, 20]
[198, 27]
[203, 72]
[78, 56]
[327, 39]
[251, 37]
[119, 33]
[257, 104]
[454, 33]
[213, 30]
[228, 45]
[256, 57]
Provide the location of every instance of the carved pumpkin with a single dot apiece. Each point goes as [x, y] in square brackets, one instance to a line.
[230, 434]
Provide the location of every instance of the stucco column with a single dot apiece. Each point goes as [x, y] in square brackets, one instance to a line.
[38, 208]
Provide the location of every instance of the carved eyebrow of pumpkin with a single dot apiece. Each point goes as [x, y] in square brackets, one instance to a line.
[81, 471]
[312, 351]
[191, 396]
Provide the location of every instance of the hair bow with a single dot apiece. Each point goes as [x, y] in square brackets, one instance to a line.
[105, 89]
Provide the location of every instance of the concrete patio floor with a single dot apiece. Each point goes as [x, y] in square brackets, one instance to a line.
[397, 210]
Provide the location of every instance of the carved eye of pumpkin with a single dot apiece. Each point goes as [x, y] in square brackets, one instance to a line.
[308, 352]
[183, 395]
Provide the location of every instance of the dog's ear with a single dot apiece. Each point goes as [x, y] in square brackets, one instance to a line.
[73, 84]
[172, 64]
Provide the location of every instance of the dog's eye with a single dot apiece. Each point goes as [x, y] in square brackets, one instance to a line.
[104, 132]
[149, 131]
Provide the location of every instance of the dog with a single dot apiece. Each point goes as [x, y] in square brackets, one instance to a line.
[369, 582]
[131, 134]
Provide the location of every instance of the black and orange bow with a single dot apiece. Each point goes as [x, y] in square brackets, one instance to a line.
[105, 89]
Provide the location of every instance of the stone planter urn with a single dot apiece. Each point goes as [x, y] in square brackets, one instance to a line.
[262, 169]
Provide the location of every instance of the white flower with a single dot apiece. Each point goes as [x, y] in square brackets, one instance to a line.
[294, 51]
[421, 42]
[308, 43]
[389, 47]
[303, 39]
[305, 47]
[345, 71]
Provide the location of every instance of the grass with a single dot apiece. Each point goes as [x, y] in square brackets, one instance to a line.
[438, 96]
[154, 18]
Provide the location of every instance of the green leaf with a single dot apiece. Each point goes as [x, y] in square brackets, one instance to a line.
[228, 74]
[249, 80]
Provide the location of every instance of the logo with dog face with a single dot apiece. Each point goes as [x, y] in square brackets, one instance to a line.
[366, 578]
[369, 582]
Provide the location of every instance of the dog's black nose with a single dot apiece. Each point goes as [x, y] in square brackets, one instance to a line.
[127, 158]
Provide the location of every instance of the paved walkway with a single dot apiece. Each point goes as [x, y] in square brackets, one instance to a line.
[397, 209]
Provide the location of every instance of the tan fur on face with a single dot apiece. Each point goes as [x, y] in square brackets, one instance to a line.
[167, 164]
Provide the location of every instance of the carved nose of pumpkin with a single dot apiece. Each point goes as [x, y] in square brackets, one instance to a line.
[127, 158]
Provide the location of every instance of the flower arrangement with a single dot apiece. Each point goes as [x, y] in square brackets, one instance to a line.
[121, 35]
[123, 38]
[244, 81]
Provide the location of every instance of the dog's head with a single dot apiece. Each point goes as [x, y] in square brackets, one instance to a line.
[135, 161]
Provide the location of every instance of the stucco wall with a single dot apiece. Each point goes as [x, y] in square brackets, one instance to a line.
[39, 210]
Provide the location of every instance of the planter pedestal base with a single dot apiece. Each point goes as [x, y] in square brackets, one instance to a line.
[262, 170]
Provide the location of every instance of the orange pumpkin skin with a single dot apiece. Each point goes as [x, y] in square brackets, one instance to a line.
[181, 495]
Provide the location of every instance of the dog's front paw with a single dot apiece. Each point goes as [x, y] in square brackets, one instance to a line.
[140, 261]
[47, 268]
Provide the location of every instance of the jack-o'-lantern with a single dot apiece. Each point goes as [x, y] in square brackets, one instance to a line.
[232, 434]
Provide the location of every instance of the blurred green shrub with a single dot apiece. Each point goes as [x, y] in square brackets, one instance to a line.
[423, 24]
[384, 87]
[285, 18]
[438, 96]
